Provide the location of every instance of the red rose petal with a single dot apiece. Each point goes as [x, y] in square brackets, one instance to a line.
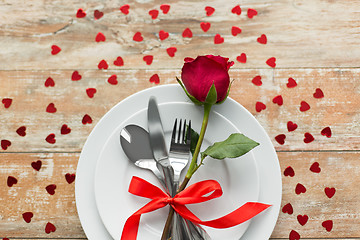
[50, 228]
[291, 126]
[155, 79]
[36, 165]
[315, 167]
[21, 131]
[304, 106]
[11, 181]
[330, 192]
[262, 39]
[70, 178]
[271, 62]
[163, 35]
[65, 129]
[5, 144]
[280, 139]
[154, 13]
[291, 83]
[49, 82]
[55, 49]
[51, 138]
[288, 208]
[80, 13]
[187, 33]
[302, 219]
[259, 106]
[218, 39]
[119, 62]
[251, 13]
[328, 225]
[318, 93]
[138, 37]
[27, 216]
[165, 8]
[300, 189]
[209, 10]
[51, 108]
[7, 102]
[90, 92]
[235, 31]
[98, 14]
[236, 10]
[289, 172]
[326, 132]
[278, 100]
[148, 59]
[171, 51]
[242, 58]
[76, 76]
[100, 37]
[125, 9]
[86, 119]
[294, 235]
[308, 138]
[103, 65]
[205, 26]
[257, 81]
[51, 189]
[113, 79]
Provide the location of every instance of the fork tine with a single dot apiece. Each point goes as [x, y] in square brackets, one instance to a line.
[179, 132]
[184, 132]
[174, 131]
[188, 139]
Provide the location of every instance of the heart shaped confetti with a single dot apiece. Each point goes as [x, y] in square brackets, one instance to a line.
[86, 119]
[11, 181]
[5, 144]
[49, 228]
[304, 106]
[100, 37]
[80, 13]
[119, 62]
[205, 26]
[70, 178]
[49, 82]
[90, 92]
[98, 14]
[288, 208]
[278, 100]
[259, 106]
[187, 33]
[165, 8]
[315, 167]
[154, 13]
[326, 132]
[291, 126]
[328, 225]
[51, 108]
[251, 13]
[289, 172]
[318, 93]
[113, 79]
[155, 79]
[242, 58]
[330, 192]
[236, 10]
[291, 83]
[55, 49]
[103, 65]
[125, 9]
[294, 235]
[209, 10]
[308, 138]
[148, 59]
[280, 139]
[51, 138]
[163, 35]
[257, 81]
[300, 189]
[262, 39]
[76, 76]
[51, 189]
[171, 51]
[65, 129]
[271, 62]
[218, 39]
[27, 216]
[36, 165]
[21, 131]
[302, 219]
[138, 37]
[235, 30]
[7, 102]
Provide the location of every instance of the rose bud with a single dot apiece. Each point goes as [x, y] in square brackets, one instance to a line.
[206, 79]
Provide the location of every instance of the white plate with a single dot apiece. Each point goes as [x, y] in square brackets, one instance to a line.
[268, 167]
[238, 177]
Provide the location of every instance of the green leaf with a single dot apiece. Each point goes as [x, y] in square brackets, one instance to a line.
[234, 146]
[192, 98]
[194, 139]
[211, 97]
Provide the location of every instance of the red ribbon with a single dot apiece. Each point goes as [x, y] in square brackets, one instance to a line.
[196, 193]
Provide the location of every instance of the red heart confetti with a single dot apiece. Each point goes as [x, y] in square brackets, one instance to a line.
[318, 93]
[90, 92]
[148, 59]
[294, 235]
[51, 189]
[271, 62]
[257, 81]
[113, 79]
[171, 51]
[218, 39]
[51, 108]
[315, 167]
[154, 13]
[76, 76]
[288, 208]
[98, 14]
[187, 33]
[300, 189]
[278, 100]
[242, 58]
[11, 181]
[330, 192]
[119, 62]
[49, 82]
[138, 37]
[235, 30]
[205, 26]
[259, 106]
[165, 8]
[308, 138]
[163, 35]
[50, 228]
[7, 102]
[27, 216]
[100, 37]
[36, 165]
[291, 83]
[155, 79]
[21, 131]
[209, 10]
[125, 9]
[51, 138]
[80, 13]
[236, 10]
[86, 119]
[55, 49]
[304, 106]
[251, 13]
[5, 144]
[70, 178]
[328, 225]
[262, 39]
[291, 126]
[280, 139]
[302, 219]
[289, 172]
[103, 64]
[326, 132]
[65, 129]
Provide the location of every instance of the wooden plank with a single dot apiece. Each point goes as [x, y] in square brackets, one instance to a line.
[310, 34]
[338, 109]
[338, 170]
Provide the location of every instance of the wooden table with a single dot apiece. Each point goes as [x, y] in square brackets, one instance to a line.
[315, 43]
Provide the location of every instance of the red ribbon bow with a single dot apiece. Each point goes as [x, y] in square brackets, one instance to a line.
[196, 193]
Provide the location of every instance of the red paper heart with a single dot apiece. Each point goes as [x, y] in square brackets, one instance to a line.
[90, 92]
[235, 31]
[291, 126]
[218, 39]
[5, 144]
[80, 13]
[280, 138]
[70, 177]
[288, 208]
[291, 83]
[36, 165]
[7, 102]
[294, 235]
[242, 58]
[113, 80]
[51, 189]
[300, 189]
[302, 219]
[51, 138]
[65, 129]
[11, 181]
[98, 14]
[165, 8]
[289, 172]
[119, 62]
[50, 228]
[86, 119]
[209, 10]
[163, 35]
[21, 131]
[315, 167]
[205, 26]
[259, 106]
[326, 132]
[257, 81]
[100, 37]
[138, 37]
[271, 62]
[125, 9]
[278, 100]
[304, 106]
[55, 49]
[154, 13]
[51, 108]
[155, 79]
[148, 59]
[171, 51]
[187, 33]
[262, 39]
[328, 225]
[308, 138]
[103, 65]
[49, 82]
[27, 216]
[330, 192]
[318, 93]
[251, 13]
[76, 76]
[236, 10]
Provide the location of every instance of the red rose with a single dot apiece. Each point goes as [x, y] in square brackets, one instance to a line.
[200, 74]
